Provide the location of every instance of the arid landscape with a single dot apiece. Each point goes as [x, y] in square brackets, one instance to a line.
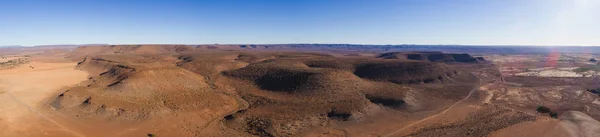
[295, 90]
[299, 68]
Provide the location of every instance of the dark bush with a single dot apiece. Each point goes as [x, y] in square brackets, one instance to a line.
[229, 117]
[339, 115]
[389, 102]
[553, 114]
[595, 91]
[543, 109]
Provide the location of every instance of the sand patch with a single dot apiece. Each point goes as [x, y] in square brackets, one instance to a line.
[579, 124]
[596, 101]
[539, 128]
[23, 88]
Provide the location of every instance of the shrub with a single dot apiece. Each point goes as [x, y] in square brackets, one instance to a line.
[553, 114]
[543, 109]
[595, 91]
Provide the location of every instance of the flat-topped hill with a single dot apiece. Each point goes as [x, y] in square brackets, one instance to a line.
[431, 56]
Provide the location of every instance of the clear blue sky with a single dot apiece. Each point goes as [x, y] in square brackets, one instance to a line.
[495, 22]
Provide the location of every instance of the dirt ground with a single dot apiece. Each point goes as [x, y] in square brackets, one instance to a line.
[223, 93]
[7, 58]
[579, 124]
[484, 112]
[544, 128]
[21, 91]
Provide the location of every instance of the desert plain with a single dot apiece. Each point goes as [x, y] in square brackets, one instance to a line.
[297, 90]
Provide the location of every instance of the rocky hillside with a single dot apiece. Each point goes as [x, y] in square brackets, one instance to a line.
[245, 93]
[432, 56]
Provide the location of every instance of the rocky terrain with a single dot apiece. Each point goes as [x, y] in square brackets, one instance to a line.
[276, 90]
[432, 56]
[264, 94]
[11, 62]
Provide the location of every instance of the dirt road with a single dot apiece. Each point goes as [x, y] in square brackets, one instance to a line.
[440, 113]
[22, 89]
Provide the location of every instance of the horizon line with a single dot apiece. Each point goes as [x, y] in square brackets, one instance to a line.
[491, 45]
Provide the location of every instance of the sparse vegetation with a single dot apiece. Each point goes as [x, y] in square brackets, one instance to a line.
[389, 102]
[587, 68]
[14, 62]
[293, 93]
[543, 109]
[553, 114]
[594, 91]
[477, 124]
[339, 115]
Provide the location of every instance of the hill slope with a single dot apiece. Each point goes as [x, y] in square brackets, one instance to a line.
[252, 93]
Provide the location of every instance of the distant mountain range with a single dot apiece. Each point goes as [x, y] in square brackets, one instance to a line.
[44, 47]
[359, 47]
[11, 46]
[509, 49]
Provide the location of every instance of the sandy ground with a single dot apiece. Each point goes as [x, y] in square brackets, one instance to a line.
[5, 59]
[551, 73]
[574, 124]
[457, 113]
[570, 124]
[542, 128]
[21, 91]
[446, 116]
[579, 124]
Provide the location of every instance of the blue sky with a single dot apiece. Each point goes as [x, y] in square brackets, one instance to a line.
[471, 22]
